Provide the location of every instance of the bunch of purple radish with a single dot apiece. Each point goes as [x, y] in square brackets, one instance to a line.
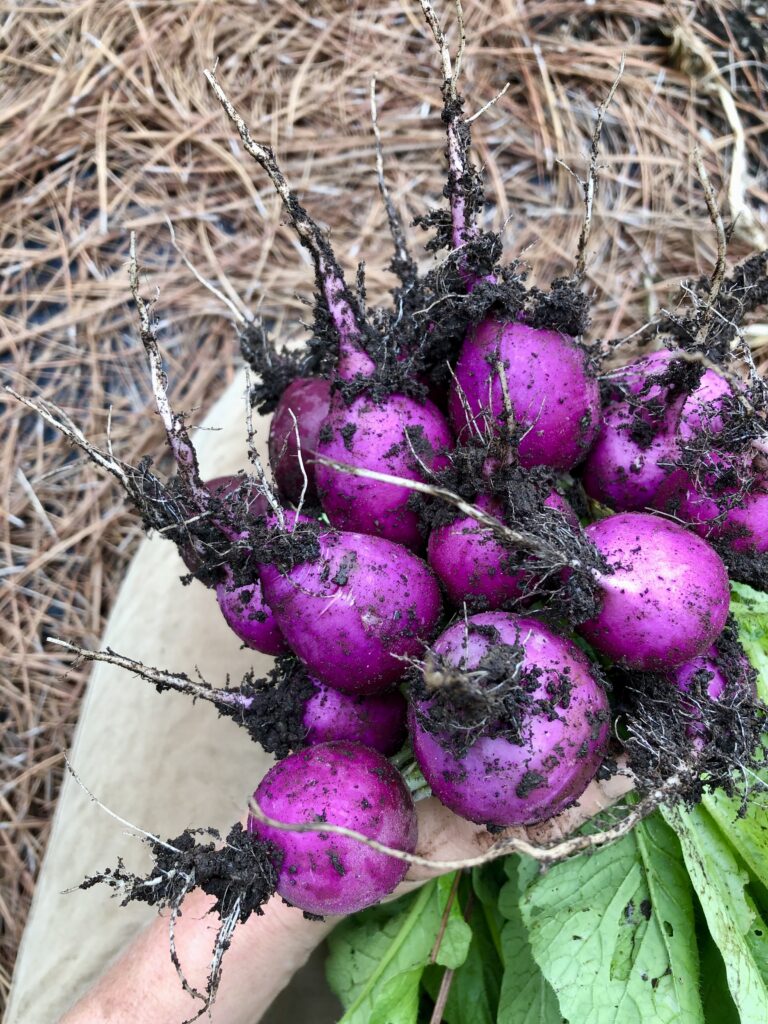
[473, 537]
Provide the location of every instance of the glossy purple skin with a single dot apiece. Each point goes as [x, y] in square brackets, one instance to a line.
[250, 618]
[372, 436]
[553, 395]
[345, 784]
[351, 615]
[621, 473]
[377, 721]
[743, 528]
[667, 598]
[488, 784]
[310, 400]
[468, 559]
[746, 528]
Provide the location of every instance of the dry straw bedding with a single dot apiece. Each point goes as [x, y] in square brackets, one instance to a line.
[107, 127]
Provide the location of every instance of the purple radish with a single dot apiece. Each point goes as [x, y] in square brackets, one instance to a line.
[704, 408]
[665, 594]
[524, 771]
[309, 399]
[637, 378]
[223, 487]
[344, 784]
[396, 436]
[356, 613]
[249, 617]
[376, 721]
[637, 447]
[706, 673]
[719, 506]
[553, 395]
[472, 563]
[246, 612]
[632, 457]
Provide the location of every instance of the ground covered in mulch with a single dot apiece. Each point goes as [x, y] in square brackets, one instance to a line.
[107, 126]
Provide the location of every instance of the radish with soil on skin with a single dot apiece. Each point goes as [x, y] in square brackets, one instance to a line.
[473, 563]
[344, 784]
[249, 616]
[235, 488]
[706, 406]
[665, 592]
[637, 446]
[376, 721]
[660, 403]
[553, 395]
[308, 399]
[396, 436]
[243, 606]
[355, 610]
[529, 711]
[317, 871]
[715, 679]
[632, 457]
[728, 503]
[506, 368]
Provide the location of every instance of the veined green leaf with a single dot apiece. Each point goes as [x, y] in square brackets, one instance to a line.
[613, 933]
[377, 958]
[731, 915]
[526, 996]
[750, 609]
[748, 834]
